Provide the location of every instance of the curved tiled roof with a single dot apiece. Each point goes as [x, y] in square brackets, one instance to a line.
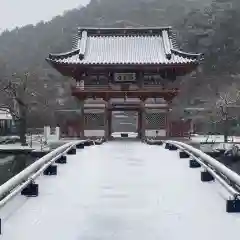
[114, 46]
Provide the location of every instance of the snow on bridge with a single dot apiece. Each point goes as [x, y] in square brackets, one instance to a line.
[122, 190]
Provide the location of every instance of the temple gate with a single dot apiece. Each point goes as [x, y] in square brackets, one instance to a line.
[124, 63]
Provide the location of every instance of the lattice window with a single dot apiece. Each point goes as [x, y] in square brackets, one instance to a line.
[155, 121]
[94, 121]
[153, 80]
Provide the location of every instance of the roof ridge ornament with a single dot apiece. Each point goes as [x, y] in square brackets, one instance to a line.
[82, 44]
[166, 44]
[198, 56]
[62, 55]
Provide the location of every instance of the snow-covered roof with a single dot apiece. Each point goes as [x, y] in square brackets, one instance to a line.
[134, 46]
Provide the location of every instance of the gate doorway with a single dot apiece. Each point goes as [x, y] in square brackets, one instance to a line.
[124, 122]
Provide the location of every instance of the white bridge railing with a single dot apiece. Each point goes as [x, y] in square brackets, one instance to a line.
[24, 181]
[35, 169]
[211, 162]
[26, 178]
[213, 170]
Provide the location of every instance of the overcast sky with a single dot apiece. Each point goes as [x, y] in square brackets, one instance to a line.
[22, 12]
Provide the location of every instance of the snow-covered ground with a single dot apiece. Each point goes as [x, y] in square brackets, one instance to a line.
[36, 146]
[18, 146]
[35, 142]
[214, 142]
[214, 138]
[122, 190]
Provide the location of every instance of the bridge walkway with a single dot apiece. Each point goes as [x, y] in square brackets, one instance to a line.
[122, 191]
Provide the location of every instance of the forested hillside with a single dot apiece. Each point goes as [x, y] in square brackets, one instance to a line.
[202, 26]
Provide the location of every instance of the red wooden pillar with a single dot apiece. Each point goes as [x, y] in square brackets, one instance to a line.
[108, 121]
[140, 121]
[167, 122]
[82, 119]
[143, 119]
[109, 124]
[80, 85]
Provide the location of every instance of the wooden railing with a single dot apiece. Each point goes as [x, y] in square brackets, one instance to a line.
[118, 88]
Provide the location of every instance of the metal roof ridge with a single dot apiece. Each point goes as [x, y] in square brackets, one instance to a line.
[125, 28]
[126, 36]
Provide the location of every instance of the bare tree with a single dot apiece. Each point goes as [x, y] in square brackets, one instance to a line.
[225, 108]
[18, 99]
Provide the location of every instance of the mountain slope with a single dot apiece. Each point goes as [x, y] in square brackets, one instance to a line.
[25, 49]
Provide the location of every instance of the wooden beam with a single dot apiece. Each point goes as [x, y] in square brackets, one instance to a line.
[68, 69]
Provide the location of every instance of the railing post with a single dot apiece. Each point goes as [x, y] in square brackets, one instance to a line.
[80, 146]
[183, 154]
[206, 177]
[62, 160]
[31, 190]
[72, 151]
[194, 163]
[167, 146]
[233, 206]
[172, 147]
[50, 171]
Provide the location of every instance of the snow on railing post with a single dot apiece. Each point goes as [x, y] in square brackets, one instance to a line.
[206, 176]
[72, 151]
[62, 160]
[50, 170]
[194, 163]
[31, 190]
